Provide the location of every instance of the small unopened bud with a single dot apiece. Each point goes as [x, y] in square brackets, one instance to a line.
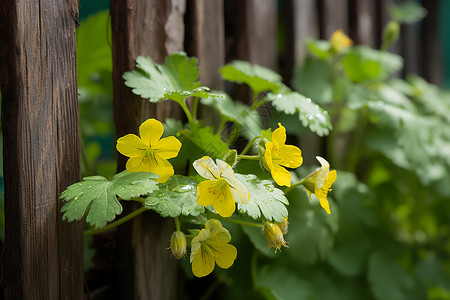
[390, 34]
[274, 236]
[283, 225]
[178, 244]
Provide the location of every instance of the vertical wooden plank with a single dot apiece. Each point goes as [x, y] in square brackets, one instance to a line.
[362, 22]
[431, 56]
[255, 25]
[42, 255]
[333, 15]
[206, 39]
[299, 22]
[153, 28]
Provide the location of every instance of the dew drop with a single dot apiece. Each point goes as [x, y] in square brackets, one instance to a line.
[308, 100]
[279, 96]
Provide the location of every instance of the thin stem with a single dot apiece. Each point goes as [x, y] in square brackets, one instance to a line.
[222, 124]
[187, 112]
[249, 157]
[177, 223]
[249, 145]
[294, 186]
[239, 222]
[116, 223]
[195, 107]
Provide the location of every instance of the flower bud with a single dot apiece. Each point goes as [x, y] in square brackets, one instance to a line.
[339, 41]
[390, 34]
[283, 225]
[178, 244]
[274, 236]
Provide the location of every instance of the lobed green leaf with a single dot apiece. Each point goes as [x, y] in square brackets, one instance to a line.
[257, 77]
[311, 115]
[96, 196]
[178, 196]
[265, 199]
[176, 79]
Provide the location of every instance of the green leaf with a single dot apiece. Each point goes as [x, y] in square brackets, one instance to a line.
[312, 236]
[257, 77]
[318, 48]
[311, 115]
[237, 112]
[408, 12]
[363, 64]
[282, 283]
[96, 196]
[176, 79]
[204, 142]
[314, 80]
[387, 279]
[350, 258]
[265, 199]
[178, 196]
[172, 127]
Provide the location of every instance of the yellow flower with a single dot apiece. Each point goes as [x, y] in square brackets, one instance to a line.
[222, 189]
[274, 236]
[340, 41]
[279, 155]
[149, 153]
[211, 246]
[319, 182]
[178, 244]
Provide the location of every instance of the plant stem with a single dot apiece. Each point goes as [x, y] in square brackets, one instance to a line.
[249, 157]
[356, 140]
[177, 223]
[187, 112]
[116, 223]
[239, 222]
[294, 186]
[195, 107]
[249, 145]
[222, 124]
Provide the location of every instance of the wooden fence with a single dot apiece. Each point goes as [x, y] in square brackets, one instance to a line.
[42, 256]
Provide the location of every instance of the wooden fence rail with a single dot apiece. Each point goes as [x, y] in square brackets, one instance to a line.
[42, 256]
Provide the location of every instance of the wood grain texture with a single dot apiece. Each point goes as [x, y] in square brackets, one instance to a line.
[43, 256]
[156, 29]
[333, 15]
[206, 39]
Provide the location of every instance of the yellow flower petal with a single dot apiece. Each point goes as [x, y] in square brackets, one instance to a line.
[279, 135]
[281, 176]
[323, 191]
[325, 205]
[207, 168]
[151, 131]
[225, 255]
[202, 263]
[268, 155]
[292, 156]
[215, 228]
[167, 147]
[163, 168]
[203, 197]
[131, 145]
[136, 164]
[218, 194]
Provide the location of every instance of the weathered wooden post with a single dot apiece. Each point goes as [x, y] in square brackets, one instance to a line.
[42, 256]
[156, 29]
